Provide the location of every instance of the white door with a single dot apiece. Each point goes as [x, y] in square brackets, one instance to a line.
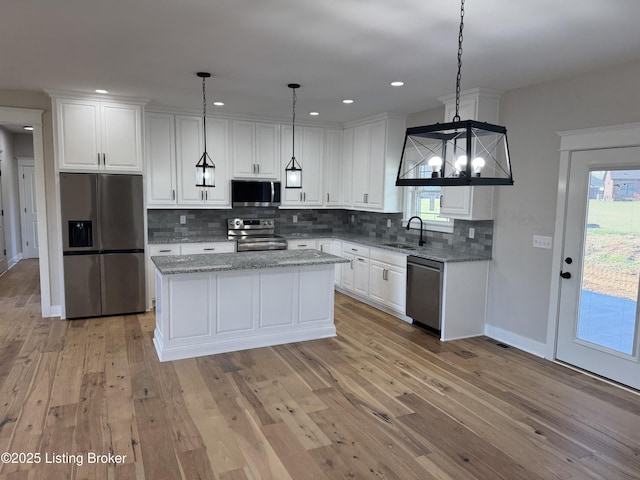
[28, 212]
[598, 315]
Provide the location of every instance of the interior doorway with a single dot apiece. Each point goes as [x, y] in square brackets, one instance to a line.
[28, 208]
[33, 117]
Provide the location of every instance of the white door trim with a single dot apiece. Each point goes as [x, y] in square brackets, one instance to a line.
[611, 136]
[29, 116]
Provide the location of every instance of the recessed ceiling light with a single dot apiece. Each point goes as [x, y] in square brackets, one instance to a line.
[28, 128]
[314, 113]
[219, 104]
[347, 100]
[397, 84]
[101, 90]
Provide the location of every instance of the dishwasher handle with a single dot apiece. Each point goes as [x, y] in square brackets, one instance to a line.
[425, 263]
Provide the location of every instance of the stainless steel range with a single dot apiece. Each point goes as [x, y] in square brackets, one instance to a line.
[255, 234]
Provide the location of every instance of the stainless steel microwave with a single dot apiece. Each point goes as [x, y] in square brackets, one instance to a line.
[255, 193]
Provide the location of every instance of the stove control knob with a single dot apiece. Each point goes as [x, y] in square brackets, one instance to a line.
[237, 223]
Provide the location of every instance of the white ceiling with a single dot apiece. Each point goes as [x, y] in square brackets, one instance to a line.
[335, 48]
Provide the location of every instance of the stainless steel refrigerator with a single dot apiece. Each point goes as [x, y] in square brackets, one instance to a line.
[103, 244]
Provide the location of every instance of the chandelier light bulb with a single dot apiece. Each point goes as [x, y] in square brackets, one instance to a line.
[477, 164]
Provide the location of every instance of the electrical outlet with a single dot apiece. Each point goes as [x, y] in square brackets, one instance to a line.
[353, 219]
[472, 232]
[388, 223]
[540, 241]
[295, 219]
[183, 219]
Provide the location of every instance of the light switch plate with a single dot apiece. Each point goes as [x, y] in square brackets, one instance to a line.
[540, 241]
[183, 219]
[472, 232]
[388, 223]
[295, 219]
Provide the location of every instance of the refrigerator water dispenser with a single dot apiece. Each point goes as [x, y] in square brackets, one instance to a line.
[80, 233]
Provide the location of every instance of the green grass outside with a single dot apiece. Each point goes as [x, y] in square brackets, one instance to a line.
[614, 217]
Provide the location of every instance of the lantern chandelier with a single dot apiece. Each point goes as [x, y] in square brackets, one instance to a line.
[205, 168]
[293, 171]
[459, 153]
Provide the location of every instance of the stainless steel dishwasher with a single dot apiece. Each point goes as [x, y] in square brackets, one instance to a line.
[424, 292]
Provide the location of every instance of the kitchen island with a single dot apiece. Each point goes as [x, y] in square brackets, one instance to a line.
[215, 303]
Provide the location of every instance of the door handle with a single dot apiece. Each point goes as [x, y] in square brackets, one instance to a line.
[565, 274]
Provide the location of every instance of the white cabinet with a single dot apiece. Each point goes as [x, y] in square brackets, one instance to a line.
[361, 275]
[160, 141]
[347, 167]
[157, 250]
[388, 279]
[309, 154]
[302, 244]
[207, 247]
[377, 147]
[470, 203]
[333, 168]
[355, 275]
[256, 149]
[93, 135]
[347, 271]
[189, 149]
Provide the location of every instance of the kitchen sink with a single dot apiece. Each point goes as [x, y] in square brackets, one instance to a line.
[403, 246]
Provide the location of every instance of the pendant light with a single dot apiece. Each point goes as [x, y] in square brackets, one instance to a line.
[459, 153]
[205, 168]
[293, 171]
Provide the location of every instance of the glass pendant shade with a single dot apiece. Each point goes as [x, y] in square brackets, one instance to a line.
[205, 168]
[205, 172]
[446, 149]
[293, 170]
[293, 174]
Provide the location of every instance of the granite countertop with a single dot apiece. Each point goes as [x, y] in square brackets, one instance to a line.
[190, 239]
[218, 262]
[430, 253]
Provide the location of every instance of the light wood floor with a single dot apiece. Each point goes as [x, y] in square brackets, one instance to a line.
[381, 400]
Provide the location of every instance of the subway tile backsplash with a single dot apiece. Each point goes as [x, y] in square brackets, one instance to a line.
[165, 224]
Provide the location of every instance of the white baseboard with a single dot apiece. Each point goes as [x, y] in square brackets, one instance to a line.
[523, 343]
[11, 262]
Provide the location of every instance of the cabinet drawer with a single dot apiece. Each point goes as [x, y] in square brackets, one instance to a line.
[302, 244]
[161, 250]
[210, 247]
[388, 257]
[355, 249]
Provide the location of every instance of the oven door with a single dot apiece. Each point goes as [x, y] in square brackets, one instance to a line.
[255, 244]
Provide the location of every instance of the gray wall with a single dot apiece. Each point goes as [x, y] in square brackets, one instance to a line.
[22, 145]
[520, 275]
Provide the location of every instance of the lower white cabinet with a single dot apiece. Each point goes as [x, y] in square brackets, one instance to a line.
[179, 249]
[300, 244]
[388, 279]
[376, 276]
[209, 313]
[361, 275]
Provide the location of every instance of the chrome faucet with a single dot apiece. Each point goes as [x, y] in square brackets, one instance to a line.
[421, 241]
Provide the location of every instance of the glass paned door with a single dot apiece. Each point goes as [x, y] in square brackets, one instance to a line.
[598, 316]
[611, 261]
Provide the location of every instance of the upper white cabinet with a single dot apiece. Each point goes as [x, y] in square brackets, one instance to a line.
[333, 168]
[377, 146]
[189, 148]
[92, 135]
[470, 203]
[309, 154]
[347, 167]
[256, 149]
[160, 152]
